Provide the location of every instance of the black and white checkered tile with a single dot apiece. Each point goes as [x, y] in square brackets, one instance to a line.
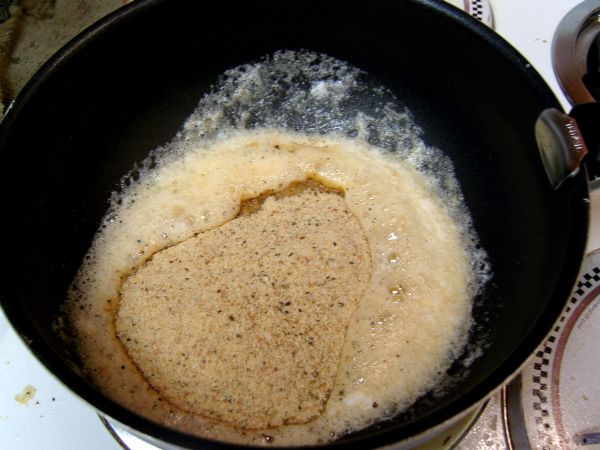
[479, 9]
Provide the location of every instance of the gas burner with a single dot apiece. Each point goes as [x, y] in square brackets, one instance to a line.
[576, 53]
[555, 403]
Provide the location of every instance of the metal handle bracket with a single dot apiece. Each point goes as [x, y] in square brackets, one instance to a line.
[561, 145]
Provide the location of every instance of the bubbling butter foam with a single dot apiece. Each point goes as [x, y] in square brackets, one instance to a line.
[290, 118]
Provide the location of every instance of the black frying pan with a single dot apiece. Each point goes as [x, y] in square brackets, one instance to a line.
[126, 85]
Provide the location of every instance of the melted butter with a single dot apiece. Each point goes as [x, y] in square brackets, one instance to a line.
[408, 328]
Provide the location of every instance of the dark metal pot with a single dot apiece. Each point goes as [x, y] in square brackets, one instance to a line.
[125, 86]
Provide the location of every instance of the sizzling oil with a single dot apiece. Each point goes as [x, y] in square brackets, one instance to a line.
[409, 326]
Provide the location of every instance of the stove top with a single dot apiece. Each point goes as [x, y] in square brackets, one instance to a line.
[554, 403]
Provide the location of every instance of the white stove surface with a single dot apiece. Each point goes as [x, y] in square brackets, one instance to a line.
[38, 412]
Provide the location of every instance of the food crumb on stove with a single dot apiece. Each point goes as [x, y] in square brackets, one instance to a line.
[26, 395]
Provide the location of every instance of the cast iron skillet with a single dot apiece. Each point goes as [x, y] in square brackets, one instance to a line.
[124, 87]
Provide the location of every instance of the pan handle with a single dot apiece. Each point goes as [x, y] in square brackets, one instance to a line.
[563, 139]
[561, 145]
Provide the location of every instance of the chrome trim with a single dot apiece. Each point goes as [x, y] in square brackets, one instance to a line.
[514, 419]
